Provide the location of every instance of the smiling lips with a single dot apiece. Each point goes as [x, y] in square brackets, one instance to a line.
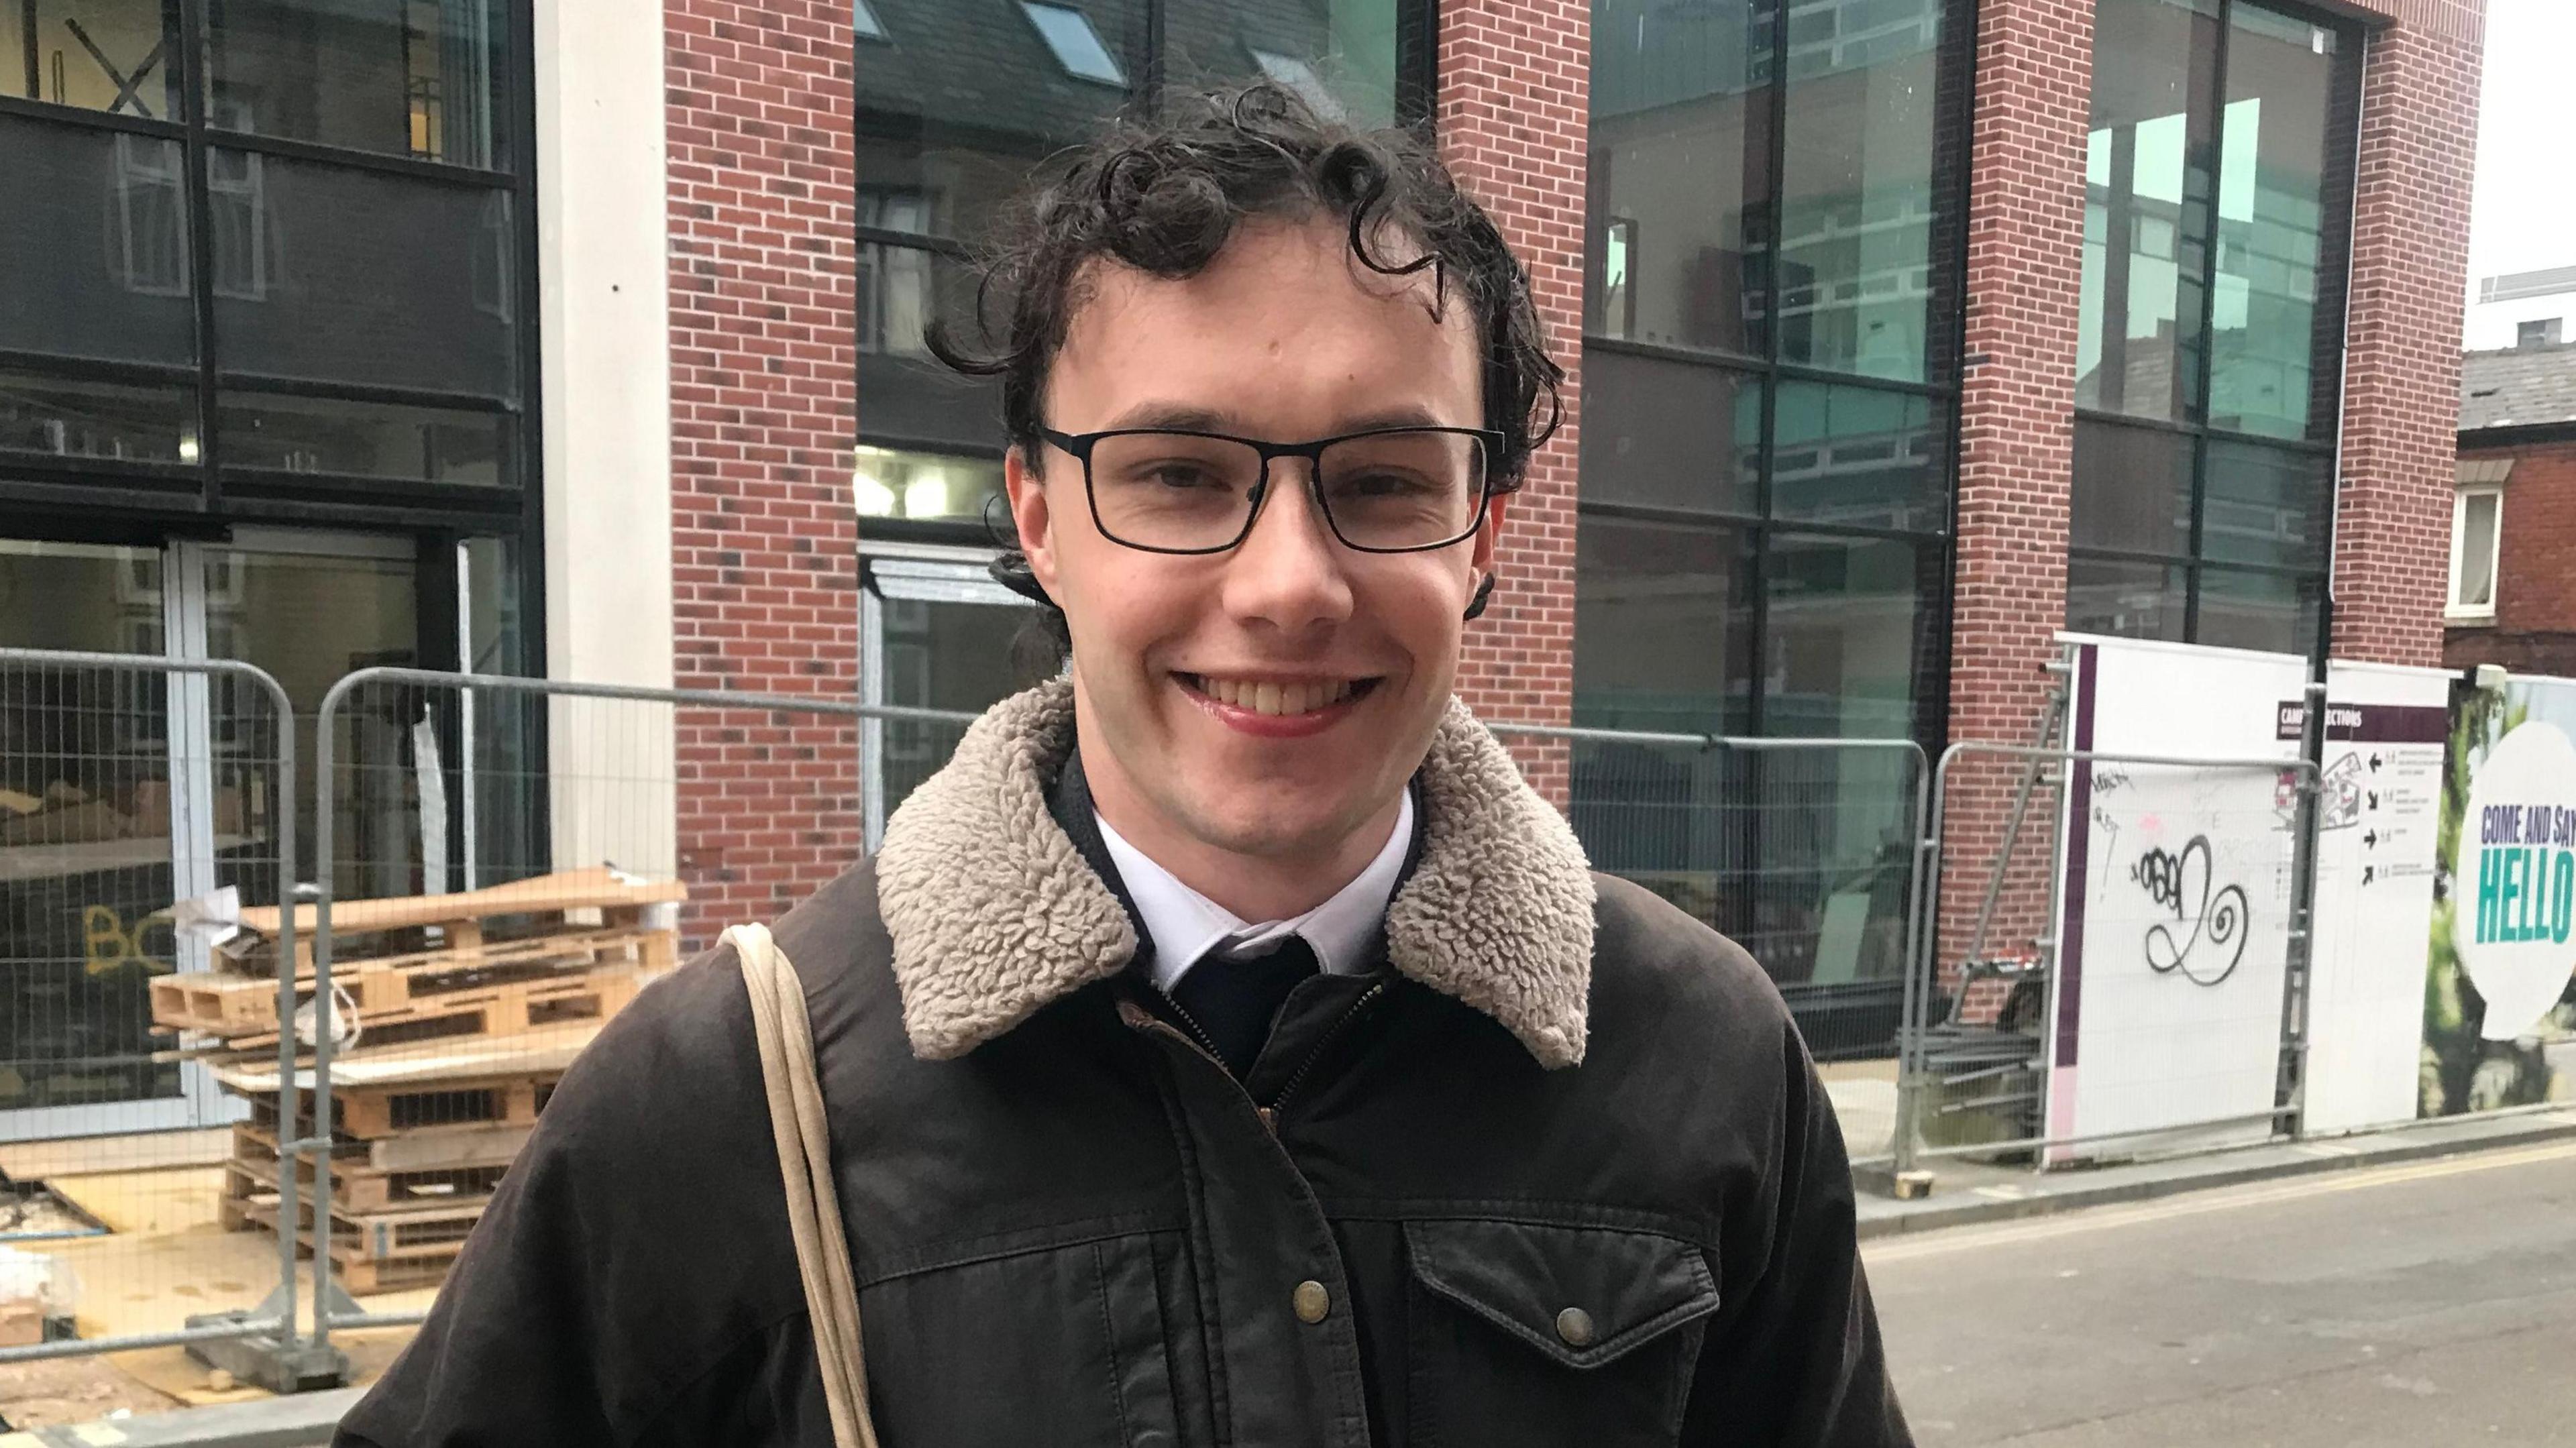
[1278, 698]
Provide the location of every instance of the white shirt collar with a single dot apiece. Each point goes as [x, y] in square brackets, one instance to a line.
[1187, 927]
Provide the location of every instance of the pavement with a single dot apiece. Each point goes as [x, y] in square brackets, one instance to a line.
[2393, 1306]
[1968, 1194]
[1967, 1321]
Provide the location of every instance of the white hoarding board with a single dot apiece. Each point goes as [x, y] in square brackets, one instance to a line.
[2378, 836]
[2174, 901]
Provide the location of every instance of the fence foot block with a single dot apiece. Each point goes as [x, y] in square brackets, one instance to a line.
[285, 1364]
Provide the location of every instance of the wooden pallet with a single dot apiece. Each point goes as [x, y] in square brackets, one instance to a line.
[358, 1185]
[542, 1003]
[456, 919]
[223, 1003]
[381, 1251]
[369, 1114]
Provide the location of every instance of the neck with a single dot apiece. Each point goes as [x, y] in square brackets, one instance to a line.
[1255, 887]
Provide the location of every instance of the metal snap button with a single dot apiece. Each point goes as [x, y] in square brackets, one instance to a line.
[1311, 1301]
[1575, 1326]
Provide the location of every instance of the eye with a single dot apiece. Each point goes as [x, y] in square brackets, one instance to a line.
[1181, 473]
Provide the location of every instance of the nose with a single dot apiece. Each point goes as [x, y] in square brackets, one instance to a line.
[1288, 573]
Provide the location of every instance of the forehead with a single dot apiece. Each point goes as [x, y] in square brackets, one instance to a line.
[1285, 334]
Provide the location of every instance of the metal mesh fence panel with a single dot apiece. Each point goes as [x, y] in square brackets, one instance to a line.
[1802, 851]
[510, 863]
[146, 809]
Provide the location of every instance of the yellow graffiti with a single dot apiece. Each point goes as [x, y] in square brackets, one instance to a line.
[107, 944]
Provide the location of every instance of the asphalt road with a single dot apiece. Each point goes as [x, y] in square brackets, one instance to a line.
[2431, 1304]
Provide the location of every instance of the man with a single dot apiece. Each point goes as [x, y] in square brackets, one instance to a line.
[1227, 1047]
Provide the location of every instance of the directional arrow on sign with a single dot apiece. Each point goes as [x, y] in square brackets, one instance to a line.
[2371, 840]
[2369, 873]
[2374, 764]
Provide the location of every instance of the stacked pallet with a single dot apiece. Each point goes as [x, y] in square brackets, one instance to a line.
[461, 1031]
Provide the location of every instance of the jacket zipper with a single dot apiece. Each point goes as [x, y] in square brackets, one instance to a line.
[1330, 1036]
[1198, 1033]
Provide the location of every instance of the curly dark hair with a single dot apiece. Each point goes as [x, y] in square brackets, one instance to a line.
[1163, 195]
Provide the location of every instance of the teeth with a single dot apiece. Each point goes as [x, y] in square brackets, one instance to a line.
[1269, 696]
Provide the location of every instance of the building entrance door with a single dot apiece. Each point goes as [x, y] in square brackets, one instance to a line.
[936, 633]
[123, 793]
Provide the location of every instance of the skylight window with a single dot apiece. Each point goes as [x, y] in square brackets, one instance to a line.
[865, 22]
[1299, 76]
[1076, 45]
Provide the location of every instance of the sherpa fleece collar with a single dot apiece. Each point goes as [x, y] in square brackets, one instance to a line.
[993, 912]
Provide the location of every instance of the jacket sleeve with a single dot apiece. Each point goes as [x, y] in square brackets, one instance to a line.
[1798, 1363]
[626, 1284]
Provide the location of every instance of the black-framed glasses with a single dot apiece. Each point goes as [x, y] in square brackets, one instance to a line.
[1387, 490]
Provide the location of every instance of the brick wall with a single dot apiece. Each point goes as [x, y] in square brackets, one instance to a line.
[2016, 440]
[1511, 118]
[764, 545]
[2409, 275]
[2535, 624]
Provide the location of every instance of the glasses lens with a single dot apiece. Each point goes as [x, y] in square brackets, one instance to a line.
[1173, 490]
[1406, 489]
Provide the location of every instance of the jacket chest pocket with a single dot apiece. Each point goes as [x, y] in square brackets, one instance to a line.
[1553, 1335]
[1063, 1345]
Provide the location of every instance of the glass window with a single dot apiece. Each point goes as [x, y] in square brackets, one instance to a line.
[2268, 505]
[94, 244]
[117, 56]
[75, 418]
[2283, 194]
[2546, 332]
[1858, 187]
[421, 78]
[2274, 612]
[1663, 627]
[1076, 45]
[2127, 599]
[1680, 162]
[2477, 528]
[1846, 635]
[2146, 207]
[1340, 56]
[1857, 455]
[361, 439]
[1663, 433]
[864, 21]
[333, 274]
[924, 487]
[2132, 488]
[967, 99]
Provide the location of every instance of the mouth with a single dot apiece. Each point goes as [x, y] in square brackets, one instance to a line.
[1274, 698]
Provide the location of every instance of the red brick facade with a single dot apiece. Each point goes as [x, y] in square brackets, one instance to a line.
[764, 542]
[2534, 631]
[766, 590]
[2016, 439]
[1512, 124]
[2026, 214]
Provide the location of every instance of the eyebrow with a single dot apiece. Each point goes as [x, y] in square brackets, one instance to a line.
[1183, 417]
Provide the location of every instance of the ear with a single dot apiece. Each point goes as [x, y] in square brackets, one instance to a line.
[1481, 553]
[1031, 518]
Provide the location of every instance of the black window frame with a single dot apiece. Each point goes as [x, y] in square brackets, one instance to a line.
[2326, 345]
[1945, 337]
[1416, 88]
[47, 495]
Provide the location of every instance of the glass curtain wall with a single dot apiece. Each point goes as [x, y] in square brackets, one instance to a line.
[957, 102]
[266, 248]
[2218, 195]
[1769, 366]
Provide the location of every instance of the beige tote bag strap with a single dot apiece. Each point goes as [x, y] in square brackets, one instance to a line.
[796, 1119]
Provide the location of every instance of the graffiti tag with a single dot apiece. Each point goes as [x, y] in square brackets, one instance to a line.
[2209, 953]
